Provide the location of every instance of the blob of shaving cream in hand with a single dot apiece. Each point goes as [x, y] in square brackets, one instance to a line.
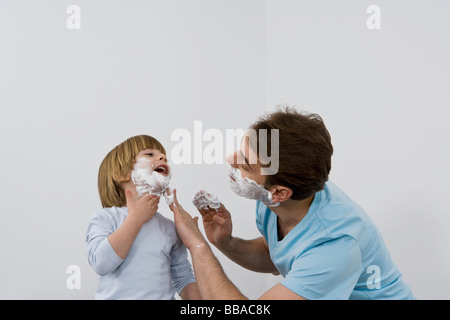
[249, 188]
[203, 200]
[147, 180]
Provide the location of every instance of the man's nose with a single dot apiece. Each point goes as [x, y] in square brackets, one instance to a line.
[232, 159]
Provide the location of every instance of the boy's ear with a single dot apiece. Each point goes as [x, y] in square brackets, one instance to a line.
[280, 193]
[127, 178]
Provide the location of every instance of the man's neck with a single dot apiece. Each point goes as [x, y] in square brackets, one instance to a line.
[291, 212]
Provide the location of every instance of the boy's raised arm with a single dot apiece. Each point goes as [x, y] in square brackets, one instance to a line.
[139, 212]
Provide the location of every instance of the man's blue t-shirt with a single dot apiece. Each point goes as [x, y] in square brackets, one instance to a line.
[334, 252]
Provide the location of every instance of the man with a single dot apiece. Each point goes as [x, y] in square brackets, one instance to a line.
[323, 244]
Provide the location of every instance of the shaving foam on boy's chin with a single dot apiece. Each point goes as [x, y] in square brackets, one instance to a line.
[148, 181]
[248, 188]
[203, 200]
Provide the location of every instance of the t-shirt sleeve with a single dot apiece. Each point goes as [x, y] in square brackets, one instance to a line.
[327, 271]
[101, 255]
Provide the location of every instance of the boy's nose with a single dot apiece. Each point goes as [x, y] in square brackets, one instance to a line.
[163, 157]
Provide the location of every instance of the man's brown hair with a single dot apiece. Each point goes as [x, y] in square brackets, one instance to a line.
[305, 150]
[117, 164]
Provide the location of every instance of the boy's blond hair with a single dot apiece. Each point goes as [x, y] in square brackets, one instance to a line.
[116, 166]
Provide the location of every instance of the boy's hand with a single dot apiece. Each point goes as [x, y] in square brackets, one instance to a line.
[142, 209]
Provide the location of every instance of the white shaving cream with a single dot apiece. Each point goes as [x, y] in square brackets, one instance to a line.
[169, 198]
[149, 181]
[203, 200]
[248, 188]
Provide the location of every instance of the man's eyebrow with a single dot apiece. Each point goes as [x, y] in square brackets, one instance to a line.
[246, 161]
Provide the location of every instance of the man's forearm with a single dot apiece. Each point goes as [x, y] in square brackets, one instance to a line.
[212, 282]
[250, 254]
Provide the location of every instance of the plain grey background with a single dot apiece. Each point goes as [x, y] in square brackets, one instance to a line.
[150, 67]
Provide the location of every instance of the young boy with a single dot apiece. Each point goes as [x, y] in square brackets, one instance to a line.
[133, 248]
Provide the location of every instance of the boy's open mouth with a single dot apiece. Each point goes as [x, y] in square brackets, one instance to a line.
[162, 169]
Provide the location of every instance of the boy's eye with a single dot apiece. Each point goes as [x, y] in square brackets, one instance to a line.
[149, 154]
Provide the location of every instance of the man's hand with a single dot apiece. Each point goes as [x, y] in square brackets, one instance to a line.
[143, 209]
[218, 225]
[211, 280]
[187, 226]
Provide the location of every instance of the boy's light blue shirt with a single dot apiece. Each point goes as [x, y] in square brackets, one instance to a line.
[156, 265]
[335, 252]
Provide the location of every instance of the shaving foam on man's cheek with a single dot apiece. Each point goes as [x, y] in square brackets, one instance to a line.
[203, 200]
[248, 188]
[149, 181]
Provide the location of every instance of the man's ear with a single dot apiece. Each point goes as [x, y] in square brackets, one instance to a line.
[280, 193]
